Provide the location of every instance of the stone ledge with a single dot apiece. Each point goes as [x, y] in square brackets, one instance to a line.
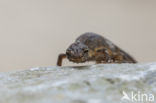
[103, 83]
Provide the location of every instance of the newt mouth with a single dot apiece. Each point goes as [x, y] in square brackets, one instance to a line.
[77, 60]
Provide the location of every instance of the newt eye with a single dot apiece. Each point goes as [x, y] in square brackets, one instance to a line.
[68, 52]
[100, 50]
[86, 51]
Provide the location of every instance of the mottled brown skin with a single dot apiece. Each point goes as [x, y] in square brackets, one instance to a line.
[93, 47]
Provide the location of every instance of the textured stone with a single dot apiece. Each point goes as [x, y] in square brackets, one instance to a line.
[103, 83]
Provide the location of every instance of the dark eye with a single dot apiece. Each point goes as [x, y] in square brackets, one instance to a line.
[68, 52]
[100, 50]
[86, 51]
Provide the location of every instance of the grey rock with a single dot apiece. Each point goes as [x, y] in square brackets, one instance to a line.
[103, 83]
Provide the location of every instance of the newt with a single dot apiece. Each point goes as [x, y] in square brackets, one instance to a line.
[94, 47]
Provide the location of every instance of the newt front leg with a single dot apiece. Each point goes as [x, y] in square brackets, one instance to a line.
[60, 59]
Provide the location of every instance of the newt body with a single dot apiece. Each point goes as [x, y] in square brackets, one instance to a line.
[93, 47]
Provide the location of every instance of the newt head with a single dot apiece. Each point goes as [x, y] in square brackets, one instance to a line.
[77, 52]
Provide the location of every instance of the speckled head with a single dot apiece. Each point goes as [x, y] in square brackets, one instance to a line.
[77, 52]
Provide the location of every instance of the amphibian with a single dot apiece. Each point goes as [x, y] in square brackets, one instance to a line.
[94, 47]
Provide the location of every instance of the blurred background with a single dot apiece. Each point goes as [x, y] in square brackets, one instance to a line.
[34, 32]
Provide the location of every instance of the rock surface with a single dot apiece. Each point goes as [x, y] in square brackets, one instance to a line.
[103, 83]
